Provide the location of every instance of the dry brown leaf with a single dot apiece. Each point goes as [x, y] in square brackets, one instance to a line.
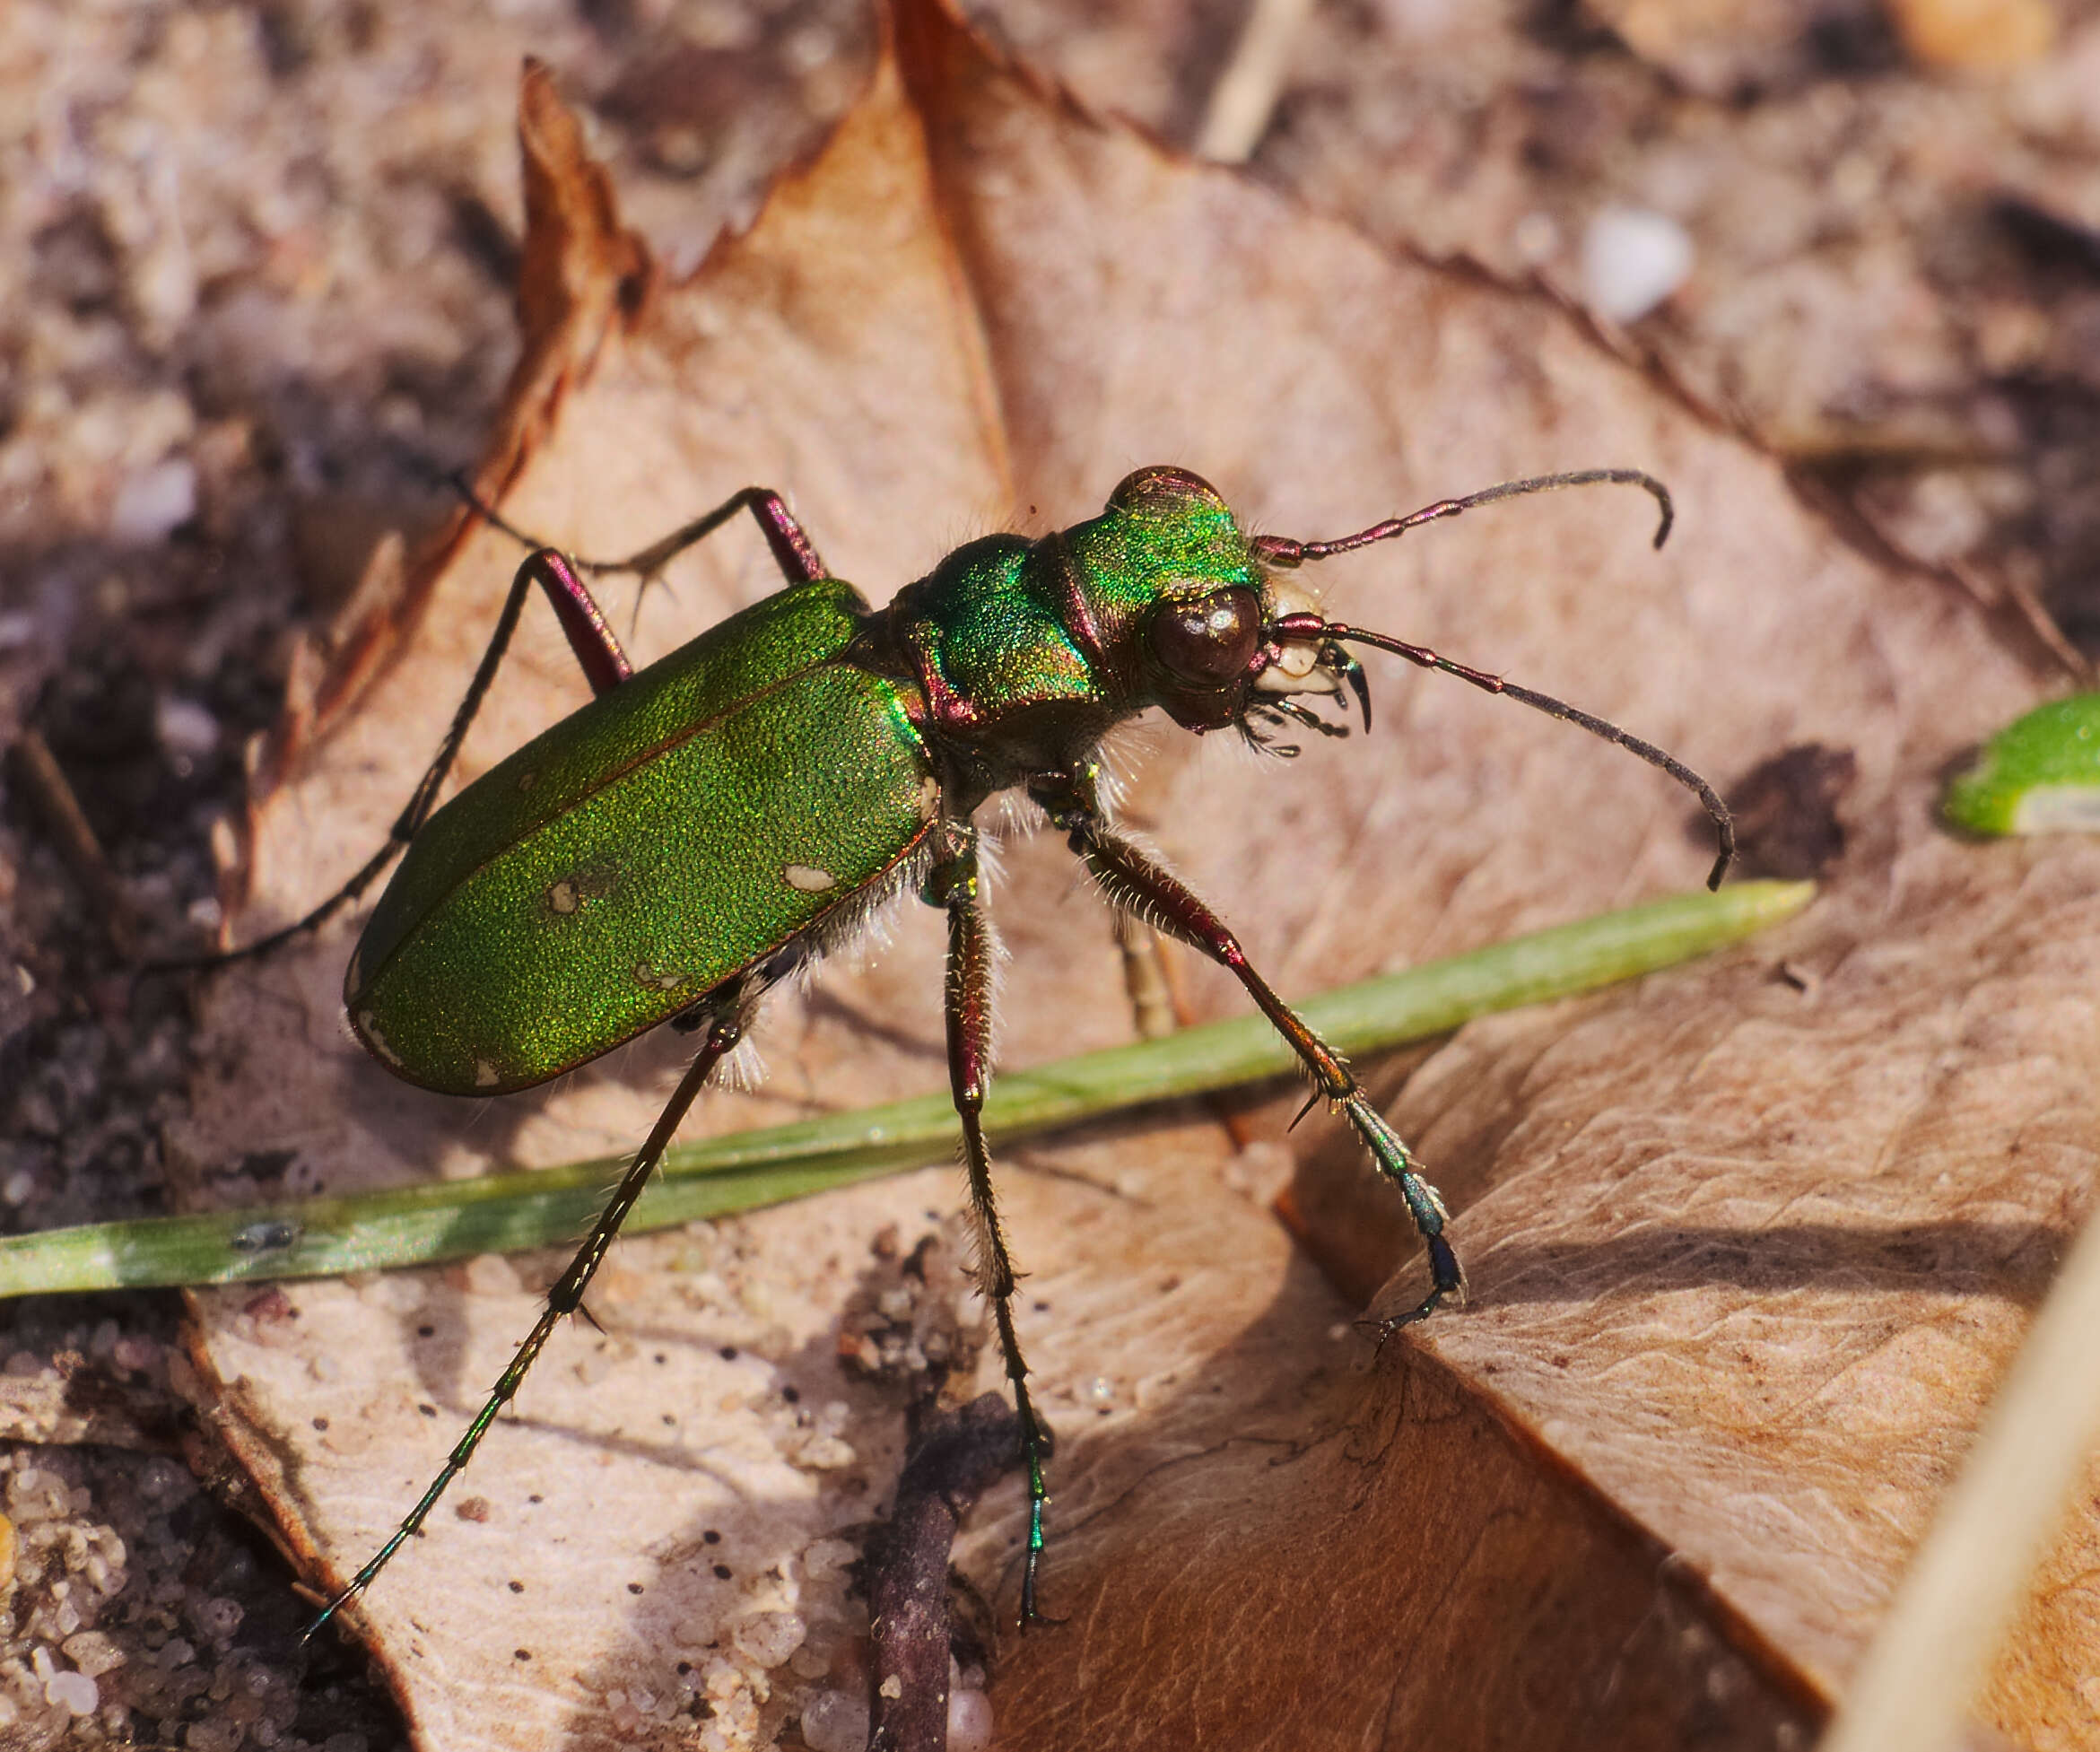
[1746, 1258]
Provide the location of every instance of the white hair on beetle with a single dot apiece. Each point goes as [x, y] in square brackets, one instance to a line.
[862, 926]
[1015, 815]
[742, 1068]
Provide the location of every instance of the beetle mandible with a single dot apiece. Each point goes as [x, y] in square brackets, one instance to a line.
[680, 844]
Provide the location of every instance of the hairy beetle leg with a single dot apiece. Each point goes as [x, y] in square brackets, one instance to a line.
[954, 883]
[597, 654]
[1132, 879]
[590, 637]
[792, 550]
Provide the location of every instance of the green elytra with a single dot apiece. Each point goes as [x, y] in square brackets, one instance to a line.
[674, 848]
[628, 860]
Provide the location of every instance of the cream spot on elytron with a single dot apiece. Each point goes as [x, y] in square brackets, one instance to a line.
[484, 1075]
[527, 780]
[657, 979]
[369, 1029]
[562, 896]
[809, 879]
[929, 798]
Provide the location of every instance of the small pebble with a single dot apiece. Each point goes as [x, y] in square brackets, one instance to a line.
[823, 1453]
[213, 1736]
[970, 1721]
[135, 1355]
[73, 1692]
[826, 1558]
[769, 1638]
[218, 1619]
[1632, 260]
[833, 1722]
[154, 503]
[165, 1482]
[94, 1653]
[184, 728]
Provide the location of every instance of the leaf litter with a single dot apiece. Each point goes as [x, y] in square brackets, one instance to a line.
[1746, 1259]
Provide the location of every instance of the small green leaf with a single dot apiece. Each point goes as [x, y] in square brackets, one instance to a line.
[2041, 774]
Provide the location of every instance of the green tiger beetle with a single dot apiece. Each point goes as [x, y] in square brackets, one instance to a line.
[708, 824]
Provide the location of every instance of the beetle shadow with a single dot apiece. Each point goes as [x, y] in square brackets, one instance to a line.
[413, 1125]
[661, 1617]
[822, 1002]
[1310, 1524]
[1362, 1235]
[1958, 1259]
[716, 1555]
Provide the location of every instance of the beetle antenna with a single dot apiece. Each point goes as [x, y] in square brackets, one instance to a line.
[1282, 551]
[1313, 626]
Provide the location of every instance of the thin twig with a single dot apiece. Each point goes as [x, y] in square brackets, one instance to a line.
[2032, 610]
[1245, 96]
[955, 1455]
[38, 771]
[1912, 1692]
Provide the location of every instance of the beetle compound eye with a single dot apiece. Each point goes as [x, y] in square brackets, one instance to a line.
[1165, 491]
[1208, 640]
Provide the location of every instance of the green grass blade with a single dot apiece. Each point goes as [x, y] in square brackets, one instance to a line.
[715, 1176]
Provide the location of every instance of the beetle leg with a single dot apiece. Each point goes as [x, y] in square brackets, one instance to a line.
[602, 662]
[954, 883]
[793, 551]
[1130, 879]
[566, 1297]
[598, 653]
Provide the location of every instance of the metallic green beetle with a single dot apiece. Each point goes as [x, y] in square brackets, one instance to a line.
[702, 827]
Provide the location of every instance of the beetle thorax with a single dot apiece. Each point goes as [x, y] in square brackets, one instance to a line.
[1026, 653]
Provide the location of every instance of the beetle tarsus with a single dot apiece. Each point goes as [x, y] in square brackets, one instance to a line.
[793, 551]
